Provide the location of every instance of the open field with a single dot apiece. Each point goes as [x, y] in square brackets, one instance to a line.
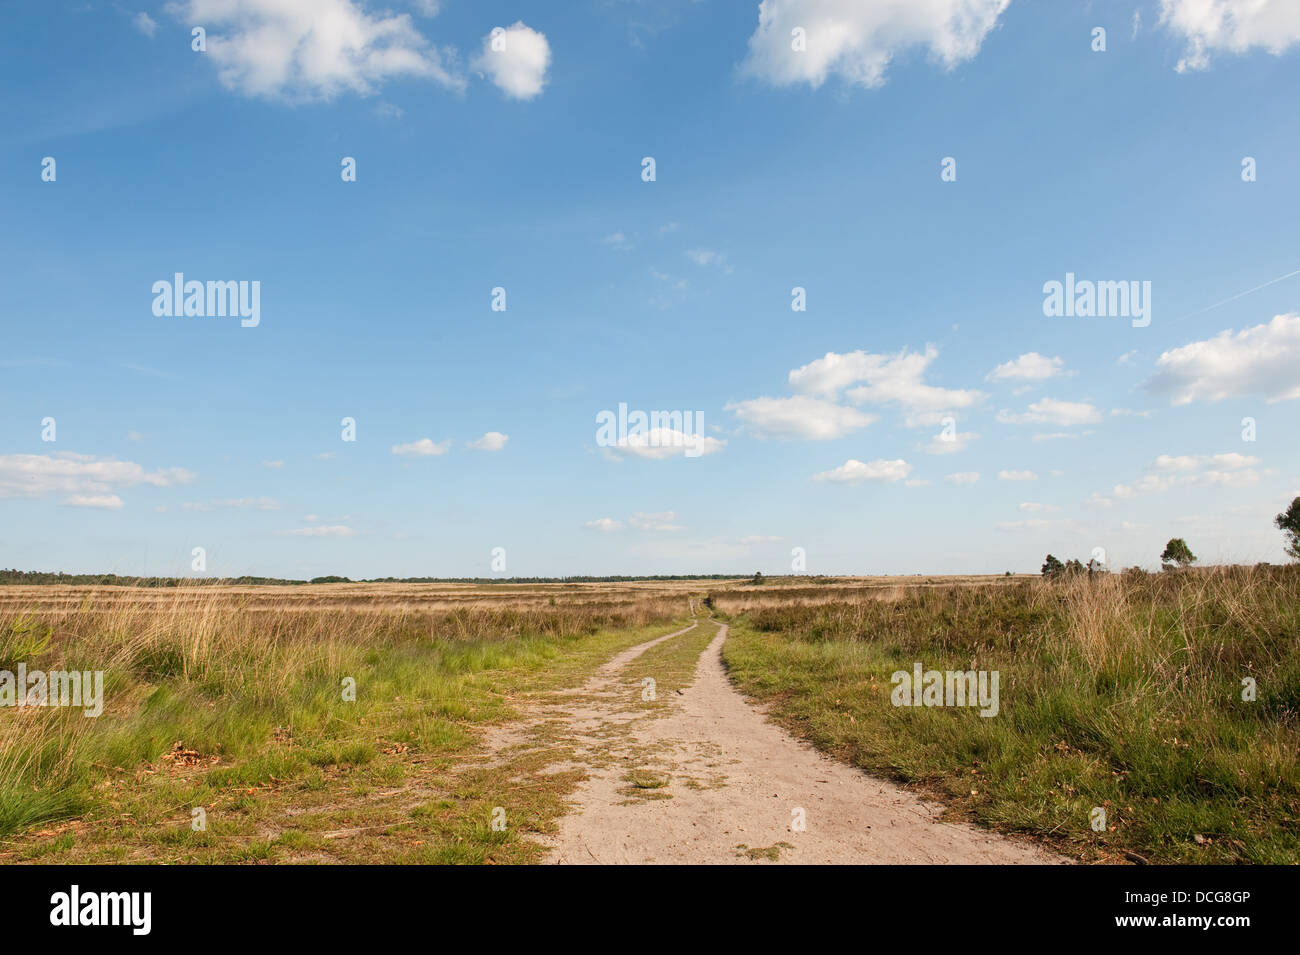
[524, 705]
[1123, 693]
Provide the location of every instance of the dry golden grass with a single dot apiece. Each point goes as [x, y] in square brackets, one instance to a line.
[1171, 701]
[249, 680]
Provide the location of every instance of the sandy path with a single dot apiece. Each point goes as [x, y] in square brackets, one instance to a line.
[736, 780]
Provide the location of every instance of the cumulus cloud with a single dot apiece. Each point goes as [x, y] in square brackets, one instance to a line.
[857, 41]
[304, 50]
[320, 530]
[858, 472]
[105, 502]
[1033, 507]
[1017, 476]
[1231, 26]
[963, 477]
[145, 24]
[83, 477]
[1067, 414]
[259, 503]
[800, 416]
[657, 521]
[515, 58]
[1190, 462]
[1030, 366]
[1263, 360]
[492, 441]
[424, 448]
[897, 380]
[1228, 470]
[945, 443]
[656, 444]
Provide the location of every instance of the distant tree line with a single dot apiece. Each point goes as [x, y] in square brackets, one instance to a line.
[1177, 555]
[30, 577]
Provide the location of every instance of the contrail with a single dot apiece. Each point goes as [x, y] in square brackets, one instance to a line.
[1239, 295]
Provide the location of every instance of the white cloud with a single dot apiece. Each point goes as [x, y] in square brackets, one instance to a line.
[1231, 461]
[1033, 507]
[605, 524]
[492, 441]
[424, 448]
[706, 257]
[659, 521]
[145, 24]
[950, 445]
[889, 379]
[617, 240]
[1067, 414]
[857, 40]
[659, 443]
[304, 50]
[1017, 476]
[1227, 470]
[1233, 26]
[107, 502]
[320, 530]
[1247, 477]
[1263, 360]
[81, 476]
[273, 465]
[800, 416]
[754, 539]
[856, 472]
[963, 477]
[1060, 435]
[1030, 366]
[260, 503]
[518, 66]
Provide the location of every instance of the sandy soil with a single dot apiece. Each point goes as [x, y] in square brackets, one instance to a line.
[737, 783]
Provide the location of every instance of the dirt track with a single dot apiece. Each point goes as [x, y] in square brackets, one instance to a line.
[737, 783]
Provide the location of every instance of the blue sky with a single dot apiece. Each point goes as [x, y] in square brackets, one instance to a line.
[521, 169]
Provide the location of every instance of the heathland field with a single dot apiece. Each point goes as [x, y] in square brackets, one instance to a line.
[1138, 718]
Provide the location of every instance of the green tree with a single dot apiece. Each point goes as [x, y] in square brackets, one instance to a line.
[1288, 522]
[1052, 568]
[1177, 553]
